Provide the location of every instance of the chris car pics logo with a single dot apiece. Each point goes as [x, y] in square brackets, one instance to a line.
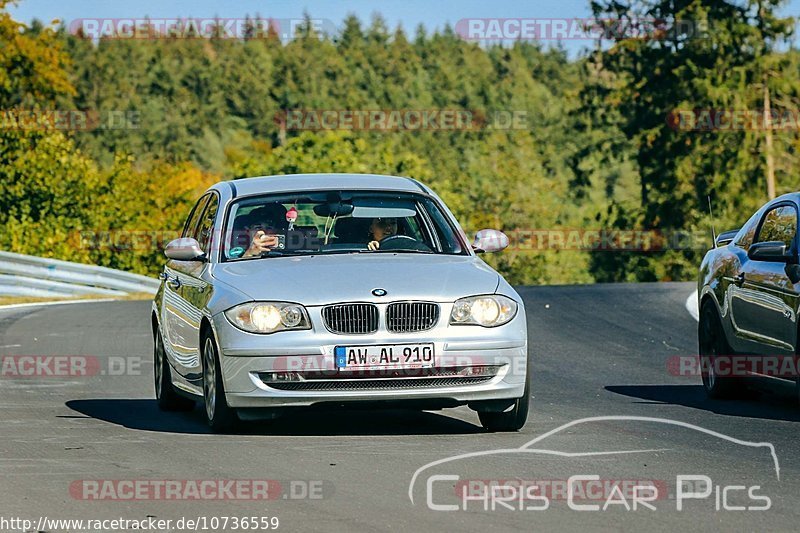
[445, 490]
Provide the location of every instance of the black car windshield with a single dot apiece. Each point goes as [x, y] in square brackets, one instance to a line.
[328, 222]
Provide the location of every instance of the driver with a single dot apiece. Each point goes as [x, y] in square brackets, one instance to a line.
[264, 224]
[380, 229]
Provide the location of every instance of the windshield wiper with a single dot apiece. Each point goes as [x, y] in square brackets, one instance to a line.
[273, 253]
[308, 253]
[290, 253]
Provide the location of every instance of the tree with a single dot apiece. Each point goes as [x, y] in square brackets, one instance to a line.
[683, 69]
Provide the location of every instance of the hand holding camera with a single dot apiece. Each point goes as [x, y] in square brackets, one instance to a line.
[264, 243]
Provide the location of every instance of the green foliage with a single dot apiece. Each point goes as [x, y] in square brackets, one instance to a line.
[45, 193]
[594, 151]
[642, 81]
[46, 185]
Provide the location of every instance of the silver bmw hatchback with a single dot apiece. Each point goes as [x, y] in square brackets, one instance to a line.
[335, 290]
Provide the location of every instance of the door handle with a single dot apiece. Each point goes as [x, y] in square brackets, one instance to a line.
[739, 279]
[174, 283]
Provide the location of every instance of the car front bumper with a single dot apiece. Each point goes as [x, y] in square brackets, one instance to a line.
[246, 358]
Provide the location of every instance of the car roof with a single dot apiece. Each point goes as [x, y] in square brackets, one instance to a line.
[312, 182]
[788, 196]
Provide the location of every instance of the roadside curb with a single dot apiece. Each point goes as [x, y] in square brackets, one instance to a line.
[62, 302]
[691, 306]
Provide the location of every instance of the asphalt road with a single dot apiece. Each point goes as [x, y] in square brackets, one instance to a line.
[597, 351]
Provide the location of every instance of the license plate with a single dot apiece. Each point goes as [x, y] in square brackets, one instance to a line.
[384, 356]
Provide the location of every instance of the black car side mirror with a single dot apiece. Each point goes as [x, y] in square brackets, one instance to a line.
[770, 251]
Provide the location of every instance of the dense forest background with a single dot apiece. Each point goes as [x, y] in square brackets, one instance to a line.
[600, 148]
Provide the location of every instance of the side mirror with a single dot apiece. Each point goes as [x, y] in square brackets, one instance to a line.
[184, 249]
[770, 251]
[489, 240]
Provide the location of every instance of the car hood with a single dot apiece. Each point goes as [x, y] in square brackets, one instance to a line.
[324, 279]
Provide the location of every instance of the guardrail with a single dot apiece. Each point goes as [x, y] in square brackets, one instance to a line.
[25, 275]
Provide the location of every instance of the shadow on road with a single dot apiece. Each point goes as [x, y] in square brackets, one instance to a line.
[767, 406]
[143, 414]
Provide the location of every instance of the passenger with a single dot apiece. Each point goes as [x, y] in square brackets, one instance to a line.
[380, 229]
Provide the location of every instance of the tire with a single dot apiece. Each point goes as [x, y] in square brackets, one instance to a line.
[712, 343]
[166, 396]
[511, 420]
[797, 381]
[797, 390]
[219, 415]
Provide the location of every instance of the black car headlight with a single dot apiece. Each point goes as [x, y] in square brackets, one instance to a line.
[488, 311]
[268, 317]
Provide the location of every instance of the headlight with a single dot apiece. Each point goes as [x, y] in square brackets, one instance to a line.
[487, 311]
[268, 317]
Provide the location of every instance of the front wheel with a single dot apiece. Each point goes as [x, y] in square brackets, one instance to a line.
[219, 415]
[511, 420]
[713, 345]
[167, 398]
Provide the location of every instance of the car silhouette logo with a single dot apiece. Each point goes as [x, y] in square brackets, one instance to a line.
[379, 292]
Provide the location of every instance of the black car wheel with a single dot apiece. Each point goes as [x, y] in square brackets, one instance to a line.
[713, 345]
[797, 380]
[511, 420]
[166, 396]
[219, 415]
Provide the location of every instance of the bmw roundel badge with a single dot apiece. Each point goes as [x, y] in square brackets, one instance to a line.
[379, 292]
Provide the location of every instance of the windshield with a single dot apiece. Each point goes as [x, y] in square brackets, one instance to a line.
[328, 222]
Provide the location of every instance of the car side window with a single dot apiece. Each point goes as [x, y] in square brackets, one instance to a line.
[779, 224]
[190, 228]
[745, 236]
[206, 228]
[445, 232]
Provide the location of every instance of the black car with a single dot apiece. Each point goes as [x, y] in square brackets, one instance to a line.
[748, 294]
